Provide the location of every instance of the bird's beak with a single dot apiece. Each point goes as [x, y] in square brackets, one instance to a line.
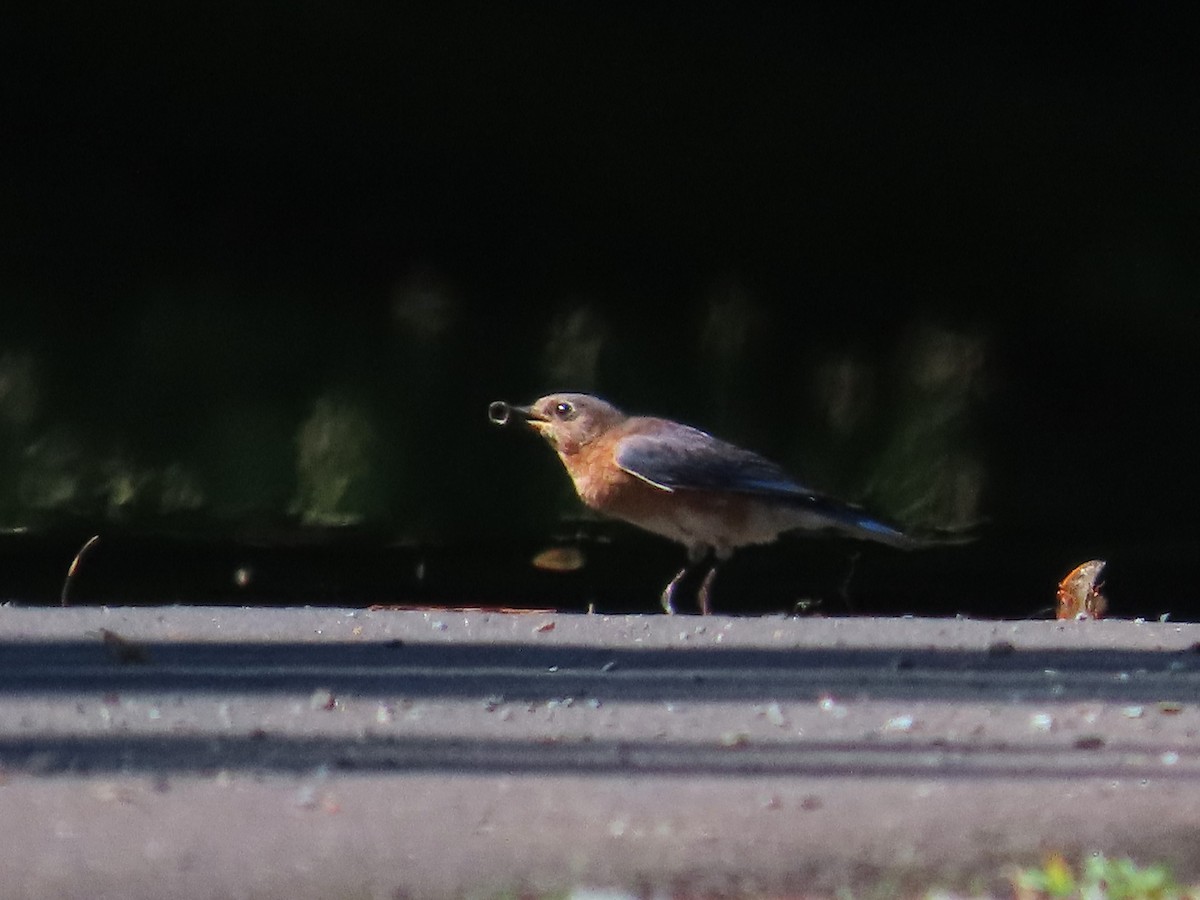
[501, 413]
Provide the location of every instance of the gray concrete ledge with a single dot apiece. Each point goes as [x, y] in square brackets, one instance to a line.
[260, 753]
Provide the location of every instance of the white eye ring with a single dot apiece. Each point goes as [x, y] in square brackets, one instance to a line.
[563, 410]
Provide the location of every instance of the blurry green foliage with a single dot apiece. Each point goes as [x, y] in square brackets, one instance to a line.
[336, 456]
[1099, 878]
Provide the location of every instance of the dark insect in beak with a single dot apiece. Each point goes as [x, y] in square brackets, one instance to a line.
[501, 413]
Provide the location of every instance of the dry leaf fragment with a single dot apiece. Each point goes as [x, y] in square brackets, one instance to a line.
[1079, 594]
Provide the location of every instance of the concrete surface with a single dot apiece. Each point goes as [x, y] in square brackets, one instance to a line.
[262, 753]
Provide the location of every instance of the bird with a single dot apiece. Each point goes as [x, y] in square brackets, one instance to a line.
[682, 483]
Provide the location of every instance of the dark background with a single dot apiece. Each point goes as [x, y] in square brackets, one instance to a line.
[263, 267]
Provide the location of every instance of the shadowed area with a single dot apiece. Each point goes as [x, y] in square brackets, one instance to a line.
[521, 672]
[322, 756]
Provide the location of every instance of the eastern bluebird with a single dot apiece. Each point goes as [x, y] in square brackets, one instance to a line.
[684, 484]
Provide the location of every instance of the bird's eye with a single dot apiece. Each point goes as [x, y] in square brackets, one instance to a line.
[564, 410]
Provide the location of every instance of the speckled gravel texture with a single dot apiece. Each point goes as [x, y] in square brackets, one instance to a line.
[325, 753]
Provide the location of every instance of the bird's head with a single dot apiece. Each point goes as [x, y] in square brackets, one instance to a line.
[567, 421]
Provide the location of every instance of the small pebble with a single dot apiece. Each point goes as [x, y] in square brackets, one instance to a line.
[831, 706]
[1041, 721]
[774, 714]
[306, 797]
[322, 698]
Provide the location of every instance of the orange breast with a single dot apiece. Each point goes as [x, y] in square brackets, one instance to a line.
[605, 486]
[692, 517]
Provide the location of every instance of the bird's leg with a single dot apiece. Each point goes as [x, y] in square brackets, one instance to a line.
[705, 589]
[668, 594]
[695, 553]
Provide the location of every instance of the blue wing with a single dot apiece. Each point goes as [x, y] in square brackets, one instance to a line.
[679, 458]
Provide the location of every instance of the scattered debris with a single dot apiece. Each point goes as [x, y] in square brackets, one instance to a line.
[322, 698]
[306, 797]
[774, 714]
[560, 559]
[429, 607]
[831, 706]
[900, 723]
[123, 650]
[1041, 722]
